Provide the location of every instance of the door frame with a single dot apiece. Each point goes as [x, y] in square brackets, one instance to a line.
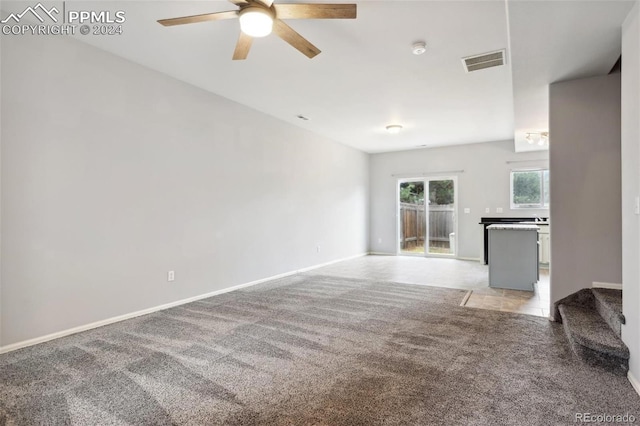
[426, 179]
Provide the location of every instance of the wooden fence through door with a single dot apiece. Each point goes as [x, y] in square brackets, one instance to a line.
[413, 222]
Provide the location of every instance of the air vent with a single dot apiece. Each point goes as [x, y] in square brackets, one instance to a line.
[486, 60]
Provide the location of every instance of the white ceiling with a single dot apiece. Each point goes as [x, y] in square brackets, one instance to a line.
[553, 41]
[366, 76]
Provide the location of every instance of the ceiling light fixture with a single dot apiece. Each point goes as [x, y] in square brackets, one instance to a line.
[393, 128]
[541, 138]
[256, 21]
[419, 48]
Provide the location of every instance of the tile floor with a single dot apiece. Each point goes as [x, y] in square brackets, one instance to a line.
[440, 272]
[524, 302]
[443, 272]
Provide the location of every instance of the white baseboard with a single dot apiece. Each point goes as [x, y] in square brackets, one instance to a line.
[473, 259]
[70, 331]
[613, 286]
[310, 268]
[381, 253]
[634, 382]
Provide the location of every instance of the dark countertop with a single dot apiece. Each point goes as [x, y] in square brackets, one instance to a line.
[512, 227]
[528, 220]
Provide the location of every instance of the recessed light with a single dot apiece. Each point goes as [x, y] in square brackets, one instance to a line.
[393, 128]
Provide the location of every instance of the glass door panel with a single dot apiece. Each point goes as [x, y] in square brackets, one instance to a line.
[441, 216]
[412, 217]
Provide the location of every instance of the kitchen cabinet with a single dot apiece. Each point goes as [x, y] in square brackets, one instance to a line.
[513, 256]
[544, 249]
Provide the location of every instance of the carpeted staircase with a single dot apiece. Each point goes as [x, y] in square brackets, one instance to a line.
[592, 320]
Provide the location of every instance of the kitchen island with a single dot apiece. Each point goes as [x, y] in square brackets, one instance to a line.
[513, 256]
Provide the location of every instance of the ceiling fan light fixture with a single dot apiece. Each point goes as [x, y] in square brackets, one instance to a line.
[256, 21]
[259, 18]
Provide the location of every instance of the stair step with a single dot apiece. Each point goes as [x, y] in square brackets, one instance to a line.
[592, 339]
[609, 305]
[589, 329]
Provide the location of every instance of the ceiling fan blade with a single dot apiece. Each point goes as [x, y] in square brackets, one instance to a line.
[289, 35]
[316, 11]
[199, 18]
[242, 47]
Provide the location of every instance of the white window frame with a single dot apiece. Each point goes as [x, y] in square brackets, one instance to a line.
[543, 191]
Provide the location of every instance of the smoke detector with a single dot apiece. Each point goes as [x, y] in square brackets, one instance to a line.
[419, 48]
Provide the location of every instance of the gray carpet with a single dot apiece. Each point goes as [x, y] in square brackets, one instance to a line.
[591, 330]
[312, 349]
[609, 305]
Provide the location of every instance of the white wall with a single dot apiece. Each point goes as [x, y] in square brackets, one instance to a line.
[0, 196]
[484, 183]
[631, 186]
[113, 174]
[584, 160]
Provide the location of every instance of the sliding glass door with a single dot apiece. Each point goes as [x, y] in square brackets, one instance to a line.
[441, 216]
[413, 228]
[427, 216]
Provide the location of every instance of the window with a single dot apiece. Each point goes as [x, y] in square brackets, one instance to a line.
[530, 189]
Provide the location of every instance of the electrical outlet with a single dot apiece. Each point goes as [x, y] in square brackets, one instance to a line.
[379, 240]
[467, 210]
[171, 276]
[637, 207]
[487, 210]
[318, 249]
[499, 210]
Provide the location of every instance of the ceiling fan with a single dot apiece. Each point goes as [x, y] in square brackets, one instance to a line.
[259, 17]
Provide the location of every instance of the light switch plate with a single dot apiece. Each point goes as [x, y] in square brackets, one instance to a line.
[487, 210]
[637, 205]
[499, 210]
[467, 210]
